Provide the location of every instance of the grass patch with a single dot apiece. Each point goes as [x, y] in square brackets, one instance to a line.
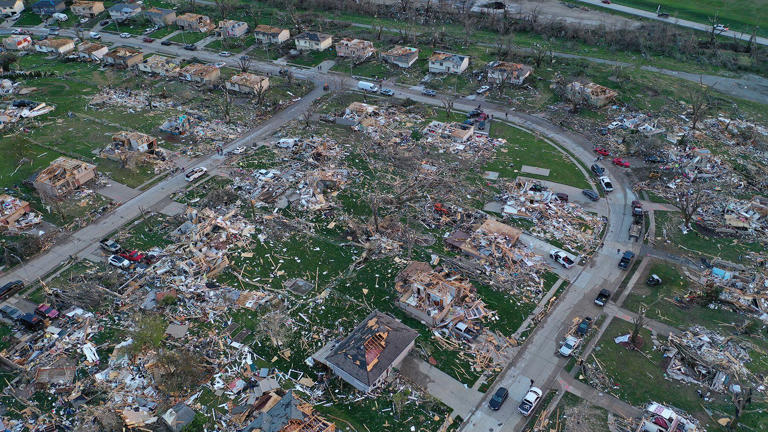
[188, 37]
[313, 58]
[510, 312]
[162, 32]
[653, 197]
[235, 45]
[28, 18]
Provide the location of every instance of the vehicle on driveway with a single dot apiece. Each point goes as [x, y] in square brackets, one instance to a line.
[133, 255]
[125, 35]
[561, 257]
[225, 54]
[104, 23]
[118, 261]
[482, 89]
[602, 297]
[562, 196]
[605, 182]
[498, 398]
[190, 47]
[569, 345]
[428, 92]
[584, 326]
[166, 42]
[626, 259]
[110, 245]
[387, 92]
[592, 195]
[530, 401]
[597, 169]
[601, 151]
[148, 40]
[620, 162]
[195, 173]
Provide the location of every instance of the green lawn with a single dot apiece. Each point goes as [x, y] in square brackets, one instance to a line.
[524, 148]
[28, 18]
[188, 37]
[373, 69]
[162, 32]
[313, 58]
[235, 45]
[130, 26]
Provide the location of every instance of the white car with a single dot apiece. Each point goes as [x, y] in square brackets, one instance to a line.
[482, 89]
[530, 401]
[220, 64]
[605, 182]
[119, 262]
[239, 150]
[225, 53]
[720, 28]
[569, 345]
[95, 35]
[195, 173]
[125, 35]
[561, 258]
[83, 20]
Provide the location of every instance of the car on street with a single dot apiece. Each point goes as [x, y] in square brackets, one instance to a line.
[569, 345]
[387, 92]
[225, 54]
[720, 28]
[606, 1]
[10, 288]
[195, 173]
[239, 150]
[53, 32]
[166, 42]
[592, 195]
[584, 326]
[220, 64]
[95, 35]
[110, 245]
[148, 40]
[602, 297]
[597, 169]
[561, 258]
[653, 280]
[530, 401]
[119, 262]
[125, 35]
[190, 47]
[601, 151]
[133, 255]
[498, 398]
[428, 92]
[605, 182]
[620, 162]
[655, 159]
[482, 89]
[562, 196]
[626, 259]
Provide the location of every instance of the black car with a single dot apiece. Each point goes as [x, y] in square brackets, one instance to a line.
[589, 193]
[597, 169]
[655, 159]
[498, 398]
[584, 326]
[626, 259]
[190, 47]
[166, 43]
[10, 288]
[103, 23]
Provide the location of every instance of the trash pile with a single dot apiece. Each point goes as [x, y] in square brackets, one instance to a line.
[16, 214]
[23, 109]
[126, 98]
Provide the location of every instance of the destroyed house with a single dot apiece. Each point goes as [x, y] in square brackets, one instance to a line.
[87, 9]
[360, 109]
[48, 7]
[178, 417]
[124, 57]
[160, 65]
[161, 17]
[17, 42]
[591, 94]
[134, 141]
[200, 73]
[401, 56]
[443, 62]
[11, 7]
[368, 355]
[248, 83]
[492, 230]
[59, 46]
[459, 132]
[288, 414]
[265, 34]
[313, 41]
[428, 295]
[357, 49]
[91, 51]
[513, 73]
[11, 210]
[123, 11]
[63, 176]
[194, 22]
[231, 28]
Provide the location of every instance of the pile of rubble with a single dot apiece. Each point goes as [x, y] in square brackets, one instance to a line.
[23, 109]
[126, 98]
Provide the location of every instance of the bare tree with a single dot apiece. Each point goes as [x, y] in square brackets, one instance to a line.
[259, 93]
[244, 63]
[448, 101]
[224, 6]
[226, 104]
[700, 103]
[539, 52]
[638, 324]
[307, 115]
[470, 24]
[688, 202]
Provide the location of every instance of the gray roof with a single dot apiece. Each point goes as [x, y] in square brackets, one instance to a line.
[278, 416]
[7, 3]
[377, 341]
[184, 416]
[118, 7]
[313, 36]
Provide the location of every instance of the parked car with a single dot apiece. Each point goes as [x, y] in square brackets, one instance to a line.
[110, 245]
[653, 280]
[584, 326]
[498, 398]
[387, 92]
[655, 159]
[195, 173]
[568, 346]
[720, 28]
[53, 32]
[601, 151]
[562, 196]
[95, 35]
[626, 259]
[147, 39]
[367, 87]
[225, 54]
[11, 287]
[220, 64]
[605, 182]
[166, 42]
[118, 261]
[47, 311]
[561, 258]
[606, 1]
[602, 297]
[482, 89]
[239, 150]
[125, 35]
[620, 162]
[428, 92]
[104, 22]
[530, 401]
[597, 169]
[133, 255]
[592, 195]
[190, 47]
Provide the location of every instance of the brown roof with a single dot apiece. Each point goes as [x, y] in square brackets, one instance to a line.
[398, 51]
[248, 79]
[263, 28]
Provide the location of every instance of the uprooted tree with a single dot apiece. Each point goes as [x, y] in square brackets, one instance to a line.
[637, 324]
[688, 202]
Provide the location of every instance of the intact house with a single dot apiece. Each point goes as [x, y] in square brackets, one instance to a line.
[123, 11]
[231, 29]
[91, 51]
[591, 94]
[48, 7]
[512, 73]
[201, 73]
[357, 49]
[401, 56]
[370, 353]
[59, 46]
[161, 17]
[313, 41]
[17, 42]
[160, 65]
[63, 176]
[443, 62]
[265, 34]
[194, 22]
[134, 141]
[11, 210]
[87, 9]
[248, 83]
[10, 8]
[124, 57]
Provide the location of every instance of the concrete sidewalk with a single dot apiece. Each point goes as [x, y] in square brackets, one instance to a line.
[117, 192]
[441, 385]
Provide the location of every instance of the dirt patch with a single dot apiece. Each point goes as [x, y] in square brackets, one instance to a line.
[585, 417]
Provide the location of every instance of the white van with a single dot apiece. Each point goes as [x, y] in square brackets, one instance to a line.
[369, 87]
[60, 17]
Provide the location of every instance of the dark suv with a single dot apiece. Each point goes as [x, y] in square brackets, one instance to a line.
[498, 398]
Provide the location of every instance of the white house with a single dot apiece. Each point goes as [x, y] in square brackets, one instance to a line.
[123, 11]
[443, 62]
[58, 46]
[313, 41]
[231, 29]
[513, 73]
[265, 34]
